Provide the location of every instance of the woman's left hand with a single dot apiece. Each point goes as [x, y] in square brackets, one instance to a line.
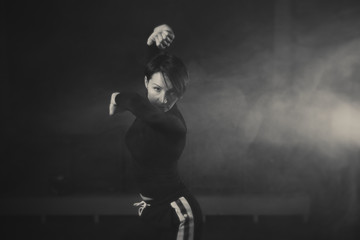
[112, 106]
[163, 36]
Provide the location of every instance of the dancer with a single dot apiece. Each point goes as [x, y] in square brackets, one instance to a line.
[156, 140]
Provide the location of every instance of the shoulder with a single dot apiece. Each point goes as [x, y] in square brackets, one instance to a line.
[176, 112]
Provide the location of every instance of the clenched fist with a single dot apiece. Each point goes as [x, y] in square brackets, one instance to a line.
[163, 36]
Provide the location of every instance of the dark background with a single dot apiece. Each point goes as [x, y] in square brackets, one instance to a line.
[272, 106]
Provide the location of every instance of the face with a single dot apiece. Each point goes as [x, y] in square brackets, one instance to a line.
[160, 92]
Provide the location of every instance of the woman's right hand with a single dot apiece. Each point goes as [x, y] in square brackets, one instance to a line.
[112, 106]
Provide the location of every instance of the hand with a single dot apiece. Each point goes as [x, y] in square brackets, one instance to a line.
[112, 106]
[163, 36]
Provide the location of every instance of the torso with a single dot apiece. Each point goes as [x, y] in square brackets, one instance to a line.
[155, 157]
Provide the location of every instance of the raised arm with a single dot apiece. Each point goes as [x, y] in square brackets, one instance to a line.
[160, 39]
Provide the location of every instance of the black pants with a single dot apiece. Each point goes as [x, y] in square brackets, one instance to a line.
[174, 218]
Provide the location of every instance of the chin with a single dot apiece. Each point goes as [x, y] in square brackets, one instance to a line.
[165, 109]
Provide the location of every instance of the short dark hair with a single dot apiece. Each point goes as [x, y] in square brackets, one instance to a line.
[172, 68]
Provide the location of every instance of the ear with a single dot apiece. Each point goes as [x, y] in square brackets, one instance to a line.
[146, 81]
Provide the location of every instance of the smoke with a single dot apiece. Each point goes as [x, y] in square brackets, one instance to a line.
[236, 100]
[321, 109]
[321, 119]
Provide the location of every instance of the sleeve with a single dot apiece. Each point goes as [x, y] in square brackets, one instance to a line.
[152, 51]
[144, 110]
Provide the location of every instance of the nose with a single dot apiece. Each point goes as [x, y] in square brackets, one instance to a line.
[163, 98]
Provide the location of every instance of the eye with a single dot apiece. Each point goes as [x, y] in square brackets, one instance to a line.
[157, 89]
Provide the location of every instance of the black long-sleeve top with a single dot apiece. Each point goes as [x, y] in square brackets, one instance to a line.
[156, 141]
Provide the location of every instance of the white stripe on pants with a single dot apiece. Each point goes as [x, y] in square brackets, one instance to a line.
[186, 218]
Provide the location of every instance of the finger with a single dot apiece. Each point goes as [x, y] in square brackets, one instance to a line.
[158, 40]
[170, 34]
[168, 41]
[163, 45]
[151, 39]
[160, 36]
[113, 96]
[164, 34]
[111, 109]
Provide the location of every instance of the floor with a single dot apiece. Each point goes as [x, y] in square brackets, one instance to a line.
[112, 227]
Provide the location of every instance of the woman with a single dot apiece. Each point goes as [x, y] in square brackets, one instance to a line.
[156, 140]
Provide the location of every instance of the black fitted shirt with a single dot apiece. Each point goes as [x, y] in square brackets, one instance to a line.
[156, 140]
